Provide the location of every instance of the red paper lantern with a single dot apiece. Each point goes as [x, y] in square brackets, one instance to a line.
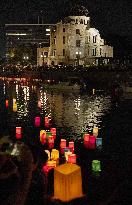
[63, 143]
[86, 140]
[37, 121]
[7, 103]
[46, 122]
[72, 158]
[18, 132]
[51, 141]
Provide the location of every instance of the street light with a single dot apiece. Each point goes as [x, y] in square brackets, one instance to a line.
[78, 53]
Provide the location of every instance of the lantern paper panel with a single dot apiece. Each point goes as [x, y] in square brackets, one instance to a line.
[49, 165]
[86, 140]
[51, 141]
[43, 136]
[37, 121]
[53, 131]
[92, 142]
[95, 131]
[72, 158]
[46, 122]
[54, 154]
[67, 182]
[67, 154]
[48, 153]
[63, 143]
[18, 132]
[7, 103]
[96, 166]
[14, 107]
[99, 143]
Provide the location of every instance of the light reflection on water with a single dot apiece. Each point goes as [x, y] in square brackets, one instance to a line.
[68, 110]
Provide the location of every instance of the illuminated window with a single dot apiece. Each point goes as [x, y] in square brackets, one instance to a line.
[78, 42]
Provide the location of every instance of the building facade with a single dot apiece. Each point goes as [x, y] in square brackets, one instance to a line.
[74, 42]
[22, 41]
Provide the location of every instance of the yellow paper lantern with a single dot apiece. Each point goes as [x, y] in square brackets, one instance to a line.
[54, 154]
[15, 107]
[67, 182]
[51, 163]
[95, 131]
[66, 155]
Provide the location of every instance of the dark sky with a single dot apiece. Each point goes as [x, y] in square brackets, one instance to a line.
[108, 16]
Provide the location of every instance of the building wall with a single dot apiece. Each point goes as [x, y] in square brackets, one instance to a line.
[72, 41]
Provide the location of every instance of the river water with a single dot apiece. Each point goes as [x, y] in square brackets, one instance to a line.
[72, 114]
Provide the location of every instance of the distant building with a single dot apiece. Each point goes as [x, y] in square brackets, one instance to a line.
[22, 41]
[74, 42]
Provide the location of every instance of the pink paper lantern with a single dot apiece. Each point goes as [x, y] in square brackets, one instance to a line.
[46, 122]
[37, 121]
[71, 146]
[72, 158]
[51, 141]
[18, 132]
[92, 142]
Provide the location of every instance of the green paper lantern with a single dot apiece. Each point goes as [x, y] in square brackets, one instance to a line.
[96, 166]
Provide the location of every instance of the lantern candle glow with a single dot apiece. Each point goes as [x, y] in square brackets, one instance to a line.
[37, 121]
[96, 166]
[72, 158]
[18, 132]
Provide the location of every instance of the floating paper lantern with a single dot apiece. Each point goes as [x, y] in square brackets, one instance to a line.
[18, 132]
[86, 140]
[6, 103]
[92, 142]
[15, 107]
[99, 143]
[49, 165]
[63, 143]
[71, 146]
[96, 166]
[37, 121]
[53, 131]
[43, 136]
[95, 131]
[54, 154]
[72, 158]
[67, 154]
[39, 104]
[51, 141]
[46, 122]
[67, 182]
[93, 91]
[48, 153]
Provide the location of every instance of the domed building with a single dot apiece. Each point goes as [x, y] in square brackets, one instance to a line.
[74, 42]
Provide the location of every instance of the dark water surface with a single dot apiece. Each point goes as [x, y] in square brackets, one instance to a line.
[72, 114]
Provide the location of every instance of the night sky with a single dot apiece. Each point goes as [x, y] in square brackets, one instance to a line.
[110, 17]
